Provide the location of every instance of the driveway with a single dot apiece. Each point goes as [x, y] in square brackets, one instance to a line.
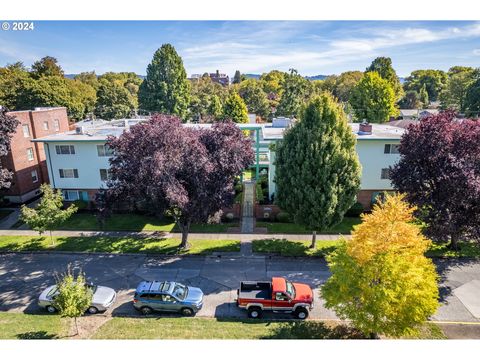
[23, 276]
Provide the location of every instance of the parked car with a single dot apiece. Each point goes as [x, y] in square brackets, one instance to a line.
[278, 295]
[103, 298]
[168, 296]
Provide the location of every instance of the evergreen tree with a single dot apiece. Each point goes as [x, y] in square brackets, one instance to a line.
[383, 66]
[235, 109]
[317, 168]
[237, 78]
[166, 88]
[423, 96]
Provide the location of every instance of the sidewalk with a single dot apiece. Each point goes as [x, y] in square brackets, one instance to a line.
[203, 236]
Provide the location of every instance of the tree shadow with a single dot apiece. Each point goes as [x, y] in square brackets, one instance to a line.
[34, 244]
[286, 247]
[313, 330]
[36, 335]
[444, 267]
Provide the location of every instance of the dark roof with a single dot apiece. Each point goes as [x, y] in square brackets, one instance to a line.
[401, 123]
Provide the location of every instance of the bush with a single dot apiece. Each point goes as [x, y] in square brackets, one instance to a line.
[238, 188]
[259, 193]
[356, 210]
[81, 204]
[283, 217]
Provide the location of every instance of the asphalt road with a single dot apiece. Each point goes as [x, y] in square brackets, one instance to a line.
[24, 276]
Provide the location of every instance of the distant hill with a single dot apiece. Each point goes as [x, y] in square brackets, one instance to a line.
[72, 76]
[314, 77]
[252, 76]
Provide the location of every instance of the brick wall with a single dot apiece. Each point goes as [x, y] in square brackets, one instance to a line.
[271, 210]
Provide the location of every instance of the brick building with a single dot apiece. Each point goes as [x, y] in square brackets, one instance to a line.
[26, 159]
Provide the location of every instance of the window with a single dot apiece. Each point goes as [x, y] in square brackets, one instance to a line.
[45, 125]
[168, 298]
[65, 149]
[71, 195]
[281, 296]
[104, 174]
[26, 131]
[30, 156]
[56, 125]
[391, 149]
[104, 150]
[68, 173]
[34, 176]
[385, 175]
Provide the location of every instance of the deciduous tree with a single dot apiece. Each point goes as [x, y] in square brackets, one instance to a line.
[47, 66]
[113, 101]
[296, 92]
[8, 126]
[235, 109]
[455, 93]
[381, 279]
[434, 81]
[383, 66]
[254, 97]
[317, 168]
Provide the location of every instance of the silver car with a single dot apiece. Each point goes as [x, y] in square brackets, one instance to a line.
[103, 298]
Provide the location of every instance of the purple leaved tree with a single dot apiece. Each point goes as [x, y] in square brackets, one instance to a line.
[8, 126]
[439, 170]
[187, 172]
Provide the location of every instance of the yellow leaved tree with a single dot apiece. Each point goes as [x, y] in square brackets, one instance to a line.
[381, 279]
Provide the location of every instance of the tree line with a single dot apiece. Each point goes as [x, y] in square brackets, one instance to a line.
[375, 94]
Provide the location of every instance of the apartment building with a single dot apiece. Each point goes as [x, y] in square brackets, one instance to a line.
[27, 159]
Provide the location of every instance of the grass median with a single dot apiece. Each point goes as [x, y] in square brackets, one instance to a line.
[345, 227]
[127, 244]
[26, 326]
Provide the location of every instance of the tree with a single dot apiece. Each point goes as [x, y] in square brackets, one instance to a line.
[317, 168]
[454, 95]
[383, 66]
[381, 279]
[345, 83]
[423, 96]
[411, 100]
[254, 97]
[439, 173]
[73, 297]
[235, 109]
[206, 99]
[46, 66]
[113, 101]
[296, 92]
[166, 88]
[189, 172]
[88, 77]
[8, 127]
[48, 214]
[237, 78]
[13, 79]
[472, 99]
[373, 99]
[215, 107]
[434, 81]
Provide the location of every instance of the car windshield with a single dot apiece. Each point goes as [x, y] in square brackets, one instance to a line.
[290, 289]
[91, 287]
[180, 291]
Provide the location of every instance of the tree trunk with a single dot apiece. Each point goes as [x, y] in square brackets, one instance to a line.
[185, 230]
[314, 240]
[454, 242]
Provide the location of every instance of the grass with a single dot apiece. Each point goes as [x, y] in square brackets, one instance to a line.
[25, 326]
[4, 213]
[467, 249]
[125, 244]
[285, 247]
[345, 227]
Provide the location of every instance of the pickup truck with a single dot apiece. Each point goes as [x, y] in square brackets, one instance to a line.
[278, 295]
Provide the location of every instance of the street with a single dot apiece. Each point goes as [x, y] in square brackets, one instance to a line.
[24, 276]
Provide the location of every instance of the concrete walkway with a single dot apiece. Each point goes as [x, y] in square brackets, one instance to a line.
[248, 221]
[11, 219]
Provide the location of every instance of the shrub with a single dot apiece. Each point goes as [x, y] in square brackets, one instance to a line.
[81, 204]
[259, 193]
[356, 210]
[283, 217]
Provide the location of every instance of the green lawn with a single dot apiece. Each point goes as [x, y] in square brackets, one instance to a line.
[136, 222]
[4, 213]
[114, 244]
[345, 227]
[294, 248]
[467, 249]
[24, 326]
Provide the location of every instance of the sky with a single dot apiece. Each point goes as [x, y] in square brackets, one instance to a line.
[311, 47]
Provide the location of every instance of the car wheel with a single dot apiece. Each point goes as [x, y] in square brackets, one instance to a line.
[146, 310]
[255, 312]
[187, 312]
[92, 310]
[301, 313]
[51, 309]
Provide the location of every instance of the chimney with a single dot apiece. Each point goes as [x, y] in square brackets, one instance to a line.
[365, 128]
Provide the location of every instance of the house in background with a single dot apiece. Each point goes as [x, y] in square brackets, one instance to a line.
[221, 79]
[26, 159]
[416, 114]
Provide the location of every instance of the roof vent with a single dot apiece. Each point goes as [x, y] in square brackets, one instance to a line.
[79, 130]
[365, 128]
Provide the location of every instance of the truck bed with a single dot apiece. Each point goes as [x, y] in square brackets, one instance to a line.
[255, 290]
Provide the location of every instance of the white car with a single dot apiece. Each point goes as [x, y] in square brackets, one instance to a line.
[103, 298]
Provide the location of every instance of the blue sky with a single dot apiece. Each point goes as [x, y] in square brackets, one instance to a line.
[311, 47]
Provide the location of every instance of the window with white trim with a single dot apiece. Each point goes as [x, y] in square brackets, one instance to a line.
[26, 130]
[65, 149]
[385, 175]
[45, 125]
[56, 125]
[71, 195]
[34, 176]
[68, 173]
[104, 174]
[30, 155]
[104, 150]
[391, 149]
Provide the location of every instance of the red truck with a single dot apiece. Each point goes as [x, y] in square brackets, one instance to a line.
[278, 295]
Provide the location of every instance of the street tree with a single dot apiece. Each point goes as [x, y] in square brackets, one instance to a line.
[47, 66]
[434, 81]
[373, 99]
[113, 101]
[381, 279]
[73, 296]
[48, 215]
[189, 173]
[235, 109]
[317, 168]
[8, 127]
[439, 173]
[383, 66]
[166, 88]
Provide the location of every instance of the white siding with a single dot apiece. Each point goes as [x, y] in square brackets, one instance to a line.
[85, 160]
